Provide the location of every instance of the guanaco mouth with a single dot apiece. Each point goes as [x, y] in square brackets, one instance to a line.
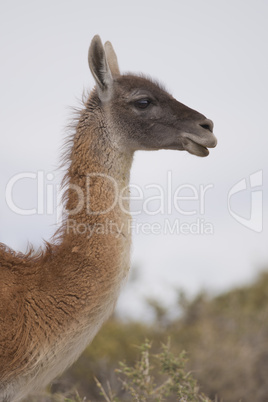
[194, 148]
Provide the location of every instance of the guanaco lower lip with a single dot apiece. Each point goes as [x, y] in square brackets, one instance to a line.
[194, 148]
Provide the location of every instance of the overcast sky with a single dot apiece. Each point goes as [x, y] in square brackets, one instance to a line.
[210, 55]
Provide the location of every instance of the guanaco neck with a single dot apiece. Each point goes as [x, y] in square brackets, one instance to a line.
[98, 175]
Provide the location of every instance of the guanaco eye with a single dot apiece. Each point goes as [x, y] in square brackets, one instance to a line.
[142, 103]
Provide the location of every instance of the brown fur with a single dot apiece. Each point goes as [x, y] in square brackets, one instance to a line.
[53, 303]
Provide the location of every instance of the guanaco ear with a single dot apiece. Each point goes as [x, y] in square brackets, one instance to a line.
[100, 68]
[112, 59]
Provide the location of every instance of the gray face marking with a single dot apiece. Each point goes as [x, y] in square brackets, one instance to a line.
[142, 114]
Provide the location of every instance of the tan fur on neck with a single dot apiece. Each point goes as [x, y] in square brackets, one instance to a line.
[55, 303]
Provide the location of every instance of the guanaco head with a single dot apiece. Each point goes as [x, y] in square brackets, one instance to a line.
[144, 115]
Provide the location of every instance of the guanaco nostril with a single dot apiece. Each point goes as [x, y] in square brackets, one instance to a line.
[208, 125]
[205, 126]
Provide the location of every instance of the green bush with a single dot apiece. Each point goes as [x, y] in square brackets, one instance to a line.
[226, 339]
